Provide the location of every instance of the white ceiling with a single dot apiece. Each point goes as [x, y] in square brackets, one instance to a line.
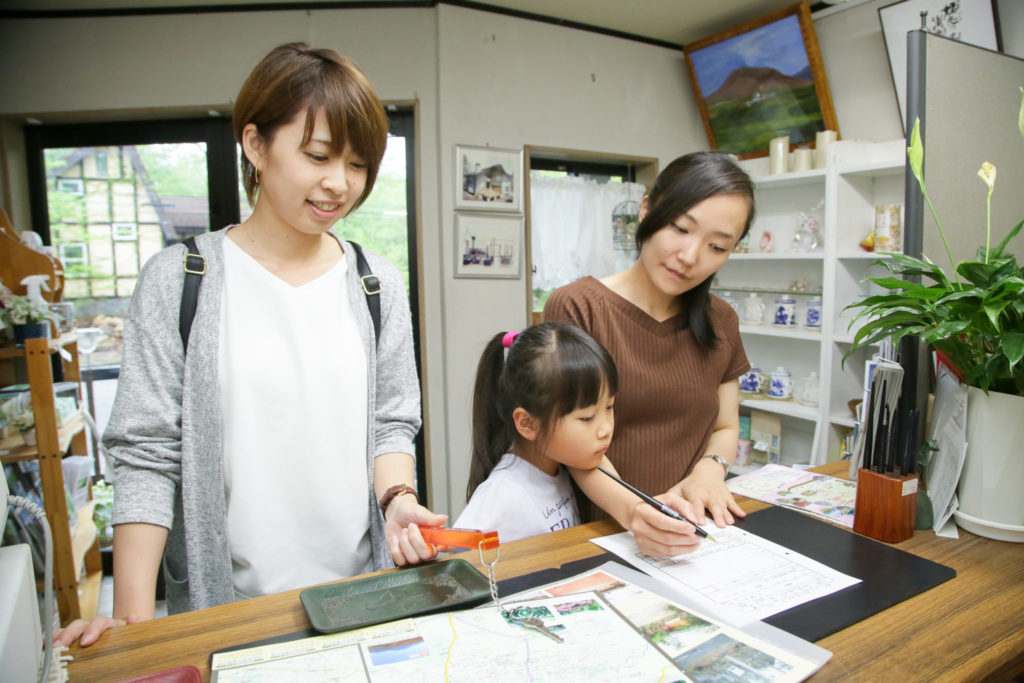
[673, 21]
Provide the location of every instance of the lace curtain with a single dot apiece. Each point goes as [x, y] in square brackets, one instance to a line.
[571, 228]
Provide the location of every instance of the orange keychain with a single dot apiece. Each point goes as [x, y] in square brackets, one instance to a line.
[460, 538]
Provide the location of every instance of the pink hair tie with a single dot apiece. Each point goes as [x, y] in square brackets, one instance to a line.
[509, 337]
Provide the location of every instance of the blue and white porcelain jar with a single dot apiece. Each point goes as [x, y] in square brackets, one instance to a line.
[812, 315]
[785, 311]
[752, 381]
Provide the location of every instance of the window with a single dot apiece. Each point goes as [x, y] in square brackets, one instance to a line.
[71, 186]
[73, 253]
[124, 232]
[101, 163]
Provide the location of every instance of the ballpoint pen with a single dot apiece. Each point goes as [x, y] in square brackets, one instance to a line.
[659, 506]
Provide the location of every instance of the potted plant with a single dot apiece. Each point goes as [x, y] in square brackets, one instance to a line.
[24, 317]
[975, 321]
[25, 422]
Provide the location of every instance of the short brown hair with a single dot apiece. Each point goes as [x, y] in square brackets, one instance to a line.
[295, 76]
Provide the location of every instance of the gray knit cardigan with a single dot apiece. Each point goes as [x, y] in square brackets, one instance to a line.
[164, 433]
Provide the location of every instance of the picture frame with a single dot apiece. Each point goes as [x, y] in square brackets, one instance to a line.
[488, 246]
[750, 79]
[488, 179]
[975, 22]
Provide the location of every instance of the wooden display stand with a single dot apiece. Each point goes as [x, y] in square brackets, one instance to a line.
[70, 551]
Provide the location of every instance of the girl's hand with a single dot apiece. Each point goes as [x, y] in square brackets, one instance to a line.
[657, 534]
[88, 632]
[705, 489]
[400, 527]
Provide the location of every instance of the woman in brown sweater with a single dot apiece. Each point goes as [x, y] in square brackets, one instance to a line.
[678, 352]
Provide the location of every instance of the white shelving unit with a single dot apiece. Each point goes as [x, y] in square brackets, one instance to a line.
[859, 175]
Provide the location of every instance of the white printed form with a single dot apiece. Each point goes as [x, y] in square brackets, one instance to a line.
[742, 576]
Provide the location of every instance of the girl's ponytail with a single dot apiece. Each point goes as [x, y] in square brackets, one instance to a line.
[493, 434]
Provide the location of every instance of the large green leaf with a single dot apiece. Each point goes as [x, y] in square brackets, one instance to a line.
[1013, 347]
[947, 329]
[1006, 240]
[901, 264]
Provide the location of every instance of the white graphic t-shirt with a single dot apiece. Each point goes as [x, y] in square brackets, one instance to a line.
[518, 500]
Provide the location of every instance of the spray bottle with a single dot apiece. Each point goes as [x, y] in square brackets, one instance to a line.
[36, 284]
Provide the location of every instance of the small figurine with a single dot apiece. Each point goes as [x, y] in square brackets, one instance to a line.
[767, 242]
[868, 243]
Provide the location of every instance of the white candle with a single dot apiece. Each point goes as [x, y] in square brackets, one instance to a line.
[778, 155]
[802, 159]
[822, 140]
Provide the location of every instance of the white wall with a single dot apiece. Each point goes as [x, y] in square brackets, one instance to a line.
[477, 78]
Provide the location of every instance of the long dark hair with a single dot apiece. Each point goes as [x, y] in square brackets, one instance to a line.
[683, 184]
[551, 370]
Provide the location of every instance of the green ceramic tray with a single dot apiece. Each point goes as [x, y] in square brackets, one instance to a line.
[418, 590]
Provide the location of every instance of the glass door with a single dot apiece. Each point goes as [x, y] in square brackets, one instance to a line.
[107, 197]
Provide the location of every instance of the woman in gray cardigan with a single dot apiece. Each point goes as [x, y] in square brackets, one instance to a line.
[278, 451]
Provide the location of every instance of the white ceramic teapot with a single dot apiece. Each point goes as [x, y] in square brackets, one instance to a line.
[753, 381]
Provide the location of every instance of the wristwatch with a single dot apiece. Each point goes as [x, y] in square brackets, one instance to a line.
[394, 492]
[720, 460]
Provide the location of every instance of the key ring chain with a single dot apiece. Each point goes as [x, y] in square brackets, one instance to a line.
[490, 575]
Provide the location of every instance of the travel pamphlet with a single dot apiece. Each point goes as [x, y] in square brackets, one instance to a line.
[820, 495]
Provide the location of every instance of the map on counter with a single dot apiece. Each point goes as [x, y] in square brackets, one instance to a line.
[613, 631]
[820, 495]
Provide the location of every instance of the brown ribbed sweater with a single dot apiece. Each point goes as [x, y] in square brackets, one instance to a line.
[667, 403]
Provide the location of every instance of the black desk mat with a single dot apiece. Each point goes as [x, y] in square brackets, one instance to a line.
[888, 575]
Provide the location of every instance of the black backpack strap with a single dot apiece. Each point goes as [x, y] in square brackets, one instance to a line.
[195, 266]
[371, 287]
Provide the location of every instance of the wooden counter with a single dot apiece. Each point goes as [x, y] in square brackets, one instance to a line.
[968, 629]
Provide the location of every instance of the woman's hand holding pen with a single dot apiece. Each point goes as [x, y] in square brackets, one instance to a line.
[404, 539]
[705, 489]
[657, 534]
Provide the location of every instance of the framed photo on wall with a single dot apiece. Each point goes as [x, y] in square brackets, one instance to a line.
[488, 179]
[761, 80]
[488, 246]
[969, 21]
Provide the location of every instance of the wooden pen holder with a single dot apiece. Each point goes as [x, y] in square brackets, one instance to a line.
[886, 506]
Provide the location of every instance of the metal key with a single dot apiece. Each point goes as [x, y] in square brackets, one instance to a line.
[537, 625]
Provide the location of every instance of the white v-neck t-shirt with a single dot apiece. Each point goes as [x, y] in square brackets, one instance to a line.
[293, 400]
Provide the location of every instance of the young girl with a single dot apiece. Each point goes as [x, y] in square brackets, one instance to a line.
[545, 403]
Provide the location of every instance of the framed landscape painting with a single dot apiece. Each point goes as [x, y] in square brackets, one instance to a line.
[761, 80]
